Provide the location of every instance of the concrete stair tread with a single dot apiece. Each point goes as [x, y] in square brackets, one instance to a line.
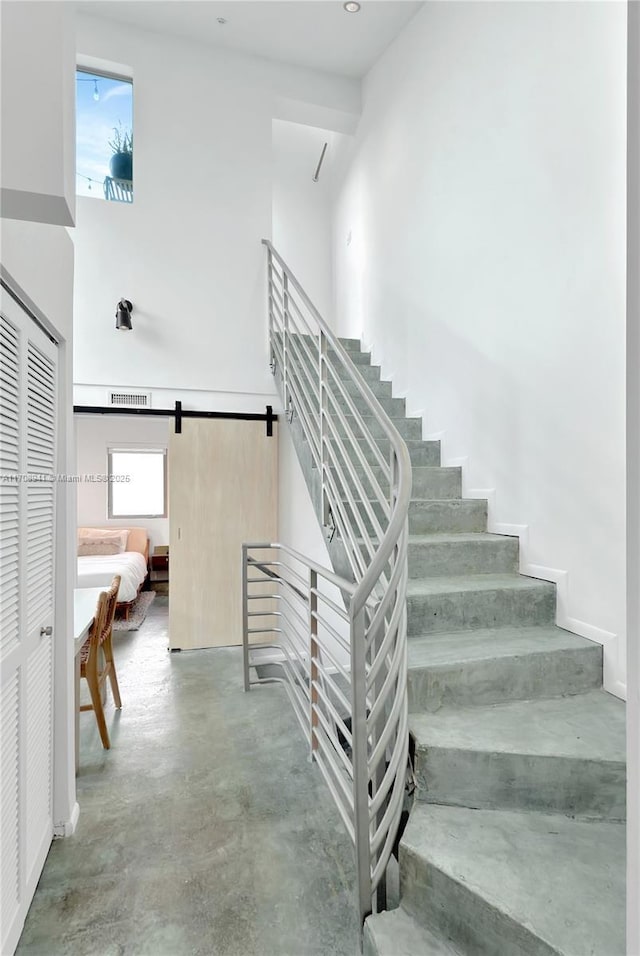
[440, 537]
[393, 418]
[589, 726]
[473, 582]
[396, 933]
[433, 650]
[560, 881]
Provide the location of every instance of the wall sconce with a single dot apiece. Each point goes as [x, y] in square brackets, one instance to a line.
[123, 315]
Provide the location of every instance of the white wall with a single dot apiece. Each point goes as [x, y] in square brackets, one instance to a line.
[633, 481]
[38, 103]
[95, 434]
[302, 208]
[37, 172]
[187, 252]
[486, 202]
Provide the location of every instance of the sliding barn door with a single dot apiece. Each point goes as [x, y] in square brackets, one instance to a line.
[223, 491]
[28, 390]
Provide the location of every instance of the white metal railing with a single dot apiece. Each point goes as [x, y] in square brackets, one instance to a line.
[118, 190]
[342, 643]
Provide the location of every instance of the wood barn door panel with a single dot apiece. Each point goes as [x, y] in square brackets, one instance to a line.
[223, 491]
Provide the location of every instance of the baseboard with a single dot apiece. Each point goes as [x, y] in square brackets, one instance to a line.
[67, 828]
[618, 689]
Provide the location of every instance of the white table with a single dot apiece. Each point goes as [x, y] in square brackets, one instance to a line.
[85, 602]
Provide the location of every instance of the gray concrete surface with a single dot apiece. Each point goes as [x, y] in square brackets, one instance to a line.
[203, 831]
[395, 933]
[499, 664]
[516, 884]
[565, 755]
[436, 555]
[478, 601]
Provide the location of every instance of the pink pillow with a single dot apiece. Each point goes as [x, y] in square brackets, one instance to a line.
[102, 541]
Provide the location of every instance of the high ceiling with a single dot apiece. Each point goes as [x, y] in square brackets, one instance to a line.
[318, 34]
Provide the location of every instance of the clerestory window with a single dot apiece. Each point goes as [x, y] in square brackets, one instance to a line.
[104, 136]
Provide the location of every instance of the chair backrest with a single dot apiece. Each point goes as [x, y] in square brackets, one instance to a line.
[112, 600]
[97, 628]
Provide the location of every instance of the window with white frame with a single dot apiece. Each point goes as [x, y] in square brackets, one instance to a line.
[104, 135]
[137, 483]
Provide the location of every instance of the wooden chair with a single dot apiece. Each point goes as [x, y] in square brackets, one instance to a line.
[96, 658]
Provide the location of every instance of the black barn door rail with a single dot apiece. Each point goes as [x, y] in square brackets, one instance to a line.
[178, 413]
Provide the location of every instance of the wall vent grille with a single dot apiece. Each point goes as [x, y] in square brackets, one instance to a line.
[130, 399]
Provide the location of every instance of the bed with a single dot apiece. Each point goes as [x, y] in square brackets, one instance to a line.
[132, 564]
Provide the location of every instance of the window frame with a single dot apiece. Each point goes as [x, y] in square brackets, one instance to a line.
[106, 74]
[136, 450]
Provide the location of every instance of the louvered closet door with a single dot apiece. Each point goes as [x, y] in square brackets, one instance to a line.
[28, 390]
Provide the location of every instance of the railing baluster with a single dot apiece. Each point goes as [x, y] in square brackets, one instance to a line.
[324, 408]
[314, 651]
[285, 371]
[360, 765]
[245, 619]
[364, 770]
[272, 358]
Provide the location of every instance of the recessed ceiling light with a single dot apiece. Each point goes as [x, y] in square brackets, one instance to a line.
[352, 6]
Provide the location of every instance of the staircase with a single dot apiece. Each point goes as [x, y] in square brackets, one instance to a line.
[516, 840]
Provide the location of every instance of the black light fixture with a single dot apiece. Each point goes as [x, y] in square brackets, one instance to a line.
[123, 315]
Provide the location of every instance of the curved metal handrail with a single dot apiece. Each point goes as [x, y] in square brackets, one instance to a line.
[404, 483]
[344, 687]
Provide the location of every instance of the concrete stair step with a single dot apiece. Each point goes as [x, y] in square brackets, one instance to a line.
[380, 388]
[445, 554]
[501, 883]
[478, 601]
[421, 453]
[450, 514]
[436, 483]
[357, 356]
[429, 481]
[396, 933]
[442, 516]
[469, 668]
[351, 345]
[370, 373]
[564, 755]
[406, 427]
[433, 483]
[394, 407]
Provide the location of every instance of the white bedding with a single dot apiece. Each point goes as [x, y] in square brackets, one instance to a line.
[97, 570]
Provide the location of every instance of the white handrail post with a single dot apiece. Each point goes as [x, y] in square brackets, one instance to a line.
[245, 619]
[272, 357]
[285, 344]
[313, 657]
[324, 406]
[360, 765]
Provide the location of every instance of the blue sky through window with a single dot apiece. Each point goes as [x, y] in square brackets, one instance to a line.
[95, 121]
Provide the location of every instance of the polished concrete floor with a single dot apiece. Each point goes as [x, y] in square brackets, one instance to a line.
[204, 830]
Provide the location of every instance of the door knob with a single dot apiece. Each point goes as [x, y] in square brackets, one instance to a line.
[46, 631]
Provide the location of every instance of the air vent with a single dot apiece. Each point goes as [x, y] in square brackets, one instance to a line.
[130, 399]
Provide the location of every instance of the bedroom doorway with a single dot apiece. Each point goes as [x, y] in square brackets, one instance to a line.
[223, 491]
